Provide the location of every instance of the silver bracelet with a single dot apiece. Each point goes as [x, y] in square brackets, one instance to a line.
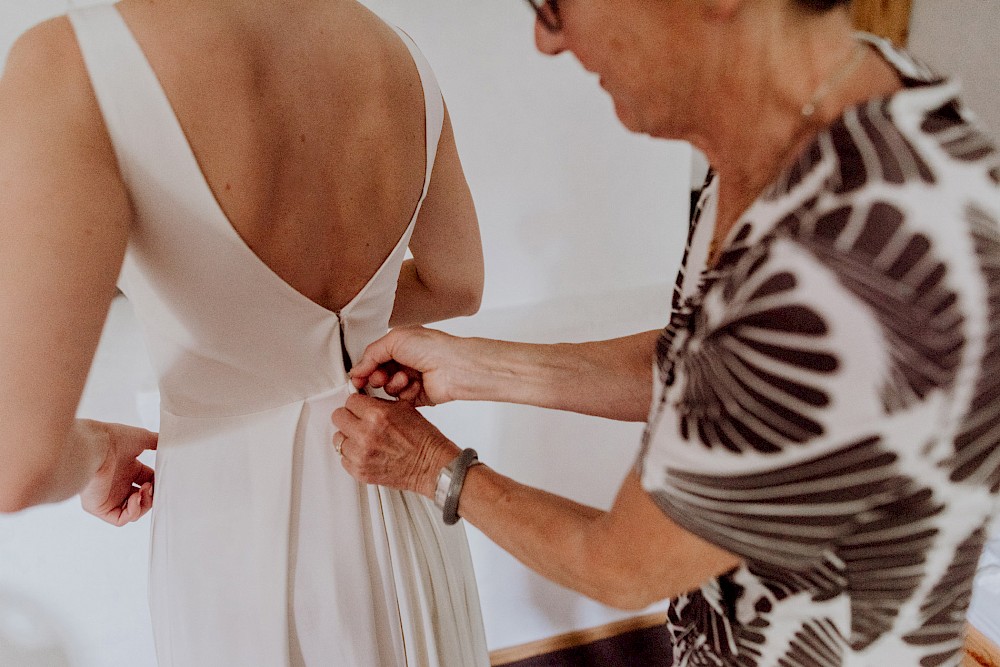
[450, 481]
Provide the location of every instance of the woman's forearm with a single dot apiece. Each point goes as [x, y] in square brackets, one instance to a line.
[554, 536]
[629, 557]
[611, 378]
[545, 532]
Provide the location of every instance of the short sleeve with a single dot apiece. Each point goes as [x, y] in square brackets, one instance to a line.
[795, 387]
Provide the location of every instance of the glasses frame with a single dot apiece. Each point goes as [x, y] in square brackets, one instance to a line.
[547, 12]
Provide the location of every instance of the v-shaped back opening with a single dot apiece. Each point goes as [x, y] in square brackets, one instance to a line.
[221, 218]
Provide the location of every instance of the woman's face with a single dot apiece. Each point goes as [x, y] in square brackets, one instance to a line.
[643, 51]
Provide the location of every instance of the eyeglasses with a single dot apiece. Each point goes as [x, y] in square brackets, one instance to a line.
[548, 13]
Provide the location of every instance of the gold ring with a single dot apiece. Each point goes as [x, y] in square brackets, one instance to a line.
[338, 442]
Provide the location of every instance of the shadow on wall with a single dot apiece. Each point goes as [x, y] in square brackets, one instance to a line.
[29, 636]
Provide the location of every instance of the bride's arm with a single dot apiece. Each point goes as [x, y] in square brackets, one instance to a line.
[64, 220]
[445, 277]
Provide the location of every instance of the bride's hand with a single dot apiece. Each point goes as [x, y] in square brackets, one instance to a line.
[414, 364]
[121, 491]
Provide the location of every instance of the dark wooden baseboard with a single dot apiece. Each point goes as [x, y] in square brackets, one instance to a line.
[618, 644]
[575, 639]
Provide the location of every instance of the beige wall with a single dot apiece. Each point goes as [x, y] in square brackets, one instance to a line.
[962, 37]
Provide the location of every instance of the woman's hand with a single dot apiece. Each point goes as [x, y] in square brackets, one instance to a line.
[121, 491]
[414, 364]
[610, 378]
[390, 444]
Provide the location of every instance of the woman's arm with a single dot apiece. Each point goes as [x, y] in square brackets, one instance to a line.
[629, 557]
[610, 378]
[445, 277]
[64, 220]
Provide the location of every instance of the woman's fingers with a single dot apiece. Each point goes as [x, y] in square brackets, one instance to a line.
[390, 443]
[410, 363]
[377, 379]
[407, 349]
[400, 380]
[414, 394]
[377, 354]
[392, 377]
[344, 420]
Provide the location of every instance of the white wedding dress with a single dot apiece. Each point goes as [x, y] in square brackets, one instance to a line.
[265, 552]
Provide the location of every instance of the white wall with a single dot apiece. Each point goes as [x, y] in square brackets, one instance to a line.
[962, 37]
[570, 203]
[73, 589]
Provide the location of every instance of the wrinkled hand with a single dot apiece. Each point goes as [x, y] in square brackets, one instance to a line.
[121, 491]
[413, 364]
[390, 444]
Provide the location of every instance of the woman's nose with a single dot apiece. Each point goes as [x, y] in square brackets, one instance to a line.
[548, 42]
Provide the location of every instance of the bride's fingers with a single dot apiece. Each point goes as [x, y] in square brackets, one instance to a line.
[145, 498]
[144, 475]
[128, 512]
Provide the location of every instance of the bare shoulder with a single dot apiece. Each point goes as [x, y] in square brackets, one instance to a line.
[45, 53]
[45, 90]
[54, 138]
[57, 162]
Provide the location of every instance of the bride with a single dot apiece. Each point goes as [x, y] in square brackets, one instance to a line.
[251, 176]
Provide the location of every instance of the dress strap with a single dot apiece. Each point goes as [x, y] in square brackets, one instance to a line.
[433, 104]
[127, 89]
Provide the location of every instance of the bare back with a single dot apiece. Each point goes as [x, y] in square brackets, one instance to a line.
[308, 124]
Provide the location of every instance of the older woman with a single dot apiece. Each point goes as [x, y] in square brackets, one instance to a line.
[255, 173]
[820, 460]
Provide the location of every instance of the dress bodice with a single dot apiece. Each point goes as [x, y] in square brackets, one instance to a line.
[226, 334]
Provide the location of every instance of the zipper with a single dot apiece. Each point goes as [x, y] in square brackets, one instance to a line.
[346, 356]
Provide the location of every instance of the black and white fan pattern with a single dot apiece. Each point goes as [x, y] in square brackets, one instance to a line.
[830, 398]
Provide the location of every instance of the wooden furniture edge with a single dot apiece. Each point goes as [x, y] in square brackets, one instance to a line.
[573, 639]
[885, 18]
[980, 651]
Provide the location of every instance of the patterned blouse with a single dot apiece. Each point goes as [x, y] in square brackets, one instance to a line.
[827, 398]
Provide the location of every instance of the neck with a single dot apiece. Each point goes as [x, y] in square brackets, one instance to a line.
[765, 120]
